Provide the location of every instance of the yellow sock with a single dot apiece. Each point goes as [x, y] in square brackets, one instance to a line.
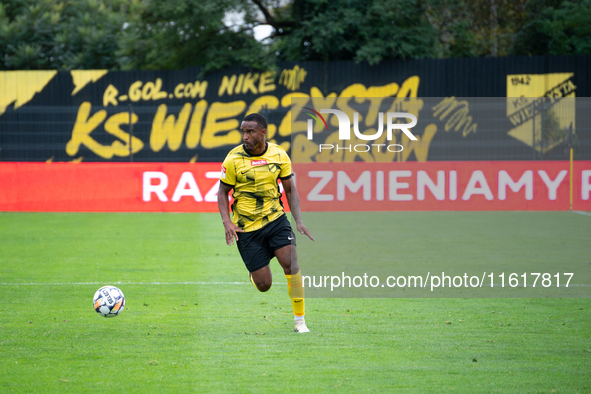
[295, 289]
[252, 280]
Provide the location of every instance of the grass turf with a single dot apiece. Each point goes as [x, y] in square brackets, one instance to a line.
[218, 336]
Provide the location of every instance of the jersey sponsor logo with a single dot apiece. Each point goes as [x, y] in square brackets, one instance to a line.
[223, 172]
[258, 162]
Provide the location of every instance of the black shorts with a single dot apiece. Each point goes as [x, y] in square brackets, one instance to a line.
[258, 247]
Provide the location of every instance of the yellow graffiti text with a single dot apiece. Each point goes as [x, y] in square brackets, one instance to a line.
[194, 133]
[86, 124]
[214, 125]
[110, 96]
[292, 79]
[150, 91]
[456, 112]
[169, 129]
[190, 90]
[247, 83]
[288, 127]
[221, 125]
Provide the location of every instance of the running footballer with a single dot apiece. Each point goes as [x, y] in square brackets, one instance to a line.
[259, 224]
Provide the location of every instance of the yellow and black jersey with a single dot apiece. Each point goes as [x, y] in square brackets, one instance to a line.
[257, 200]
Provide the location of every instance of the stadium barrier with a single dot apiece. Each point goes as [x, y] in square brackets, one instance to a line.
[186, 187]
[473, 109]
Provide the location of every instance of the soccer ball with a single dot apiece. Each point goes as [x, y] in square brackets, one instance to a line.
[108, 301]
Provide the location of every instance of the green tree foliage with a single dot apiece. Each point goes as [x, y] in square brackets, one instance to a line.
[124, 34]
[44, 34]
[172, 34]
[555, 27]
[469, 28]
[359, 30]
[168, 34]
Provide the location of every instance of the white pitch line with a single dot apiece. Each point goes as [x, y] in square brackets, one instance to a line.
[122, 283]
[168, 283]
[582, 213]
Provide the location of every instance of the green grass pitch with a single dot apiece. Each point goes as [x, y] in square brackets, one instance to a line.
[193, 324]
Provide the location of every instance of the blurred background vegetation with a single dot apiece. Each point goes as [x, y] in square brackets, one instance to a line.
[215, 34]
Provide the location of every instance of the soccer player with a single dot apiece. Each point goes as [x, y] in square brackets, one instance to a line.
[259, 224]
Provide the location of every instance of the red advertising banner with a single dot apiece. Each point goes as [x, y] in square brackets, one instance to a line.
[443, 186]
[186, 187]
[109, 187]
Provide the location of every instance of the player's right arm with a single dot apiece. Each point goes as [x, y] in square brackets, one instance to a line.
[223, 205]
[227, 182]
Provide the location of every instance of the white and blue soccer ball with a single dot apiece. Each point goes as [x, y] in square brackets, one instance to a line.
[109, 301]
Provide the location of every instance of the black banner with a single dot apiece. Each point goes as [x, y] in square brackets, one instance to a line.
[178, 116]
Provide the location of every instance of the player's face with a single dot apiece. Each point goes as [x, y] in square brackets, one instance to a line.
[253, 136]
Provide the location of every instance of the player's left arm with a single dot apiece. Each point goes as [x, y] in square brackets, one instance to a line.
[294, 204]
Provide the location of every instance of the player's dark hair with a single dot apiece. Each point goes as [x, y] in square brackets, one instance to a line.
[260, 119]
